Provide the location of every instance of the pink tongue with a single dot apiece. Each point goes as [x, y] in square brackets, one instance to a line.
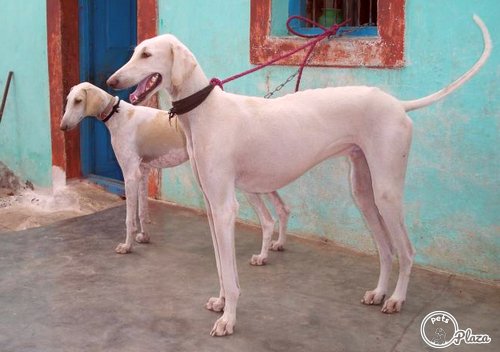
[141, 88]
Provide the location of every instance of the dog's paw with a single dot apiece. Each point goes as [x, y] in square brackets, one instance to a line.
[223, 326]
[142, 237]
[373, 297]
[123, 248]
[258, 260]
[392, 305]
[215, 304]
[277, 246]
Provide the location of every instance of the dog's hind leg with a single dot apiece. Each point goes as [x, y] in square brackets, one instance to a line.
[267, 225]
[143, 236]
[283, 212]
[387, 162]
[362, 192]
[390, 206]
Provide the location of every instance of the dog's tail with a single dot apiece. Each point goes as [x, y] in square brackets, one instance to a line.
[430, 99]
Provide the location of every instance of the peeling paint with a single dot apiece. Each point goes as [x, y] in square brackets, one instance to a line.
[386, 50]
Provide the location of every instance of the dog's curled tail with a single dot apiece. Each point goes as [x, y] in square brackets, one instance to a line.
[430, 99]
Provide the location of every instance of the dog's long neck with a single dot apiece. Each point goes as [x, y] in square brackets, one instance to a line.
[105, 106]
[97, 101]
[196, 81]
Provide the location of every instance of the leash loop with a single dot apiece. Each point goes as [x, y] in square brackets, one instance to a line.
[333, 29]
[217, 82]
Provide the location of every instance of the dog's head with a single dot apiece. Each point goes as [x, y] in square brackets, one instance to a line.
[159, 62]
[84, 99]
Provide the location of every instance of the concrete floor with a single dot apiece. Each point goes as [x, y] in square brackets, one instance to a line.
[62, 288]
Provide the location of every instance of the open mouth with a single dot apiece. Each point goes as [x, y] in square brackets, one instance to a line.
[146, 86]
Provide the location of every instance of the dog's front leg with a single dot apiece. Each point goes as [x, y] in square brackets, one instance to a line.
[224, 207]
[143, 193]
[143, 236]
[132, 177]
[215, 304]
[267, 224]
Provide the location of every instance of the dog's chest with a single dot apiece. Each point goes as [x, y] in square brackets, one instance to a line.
[156, 137]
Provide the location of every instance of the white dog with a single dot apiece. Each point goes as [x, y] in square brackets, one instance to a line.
[143, 138]
[260, 145]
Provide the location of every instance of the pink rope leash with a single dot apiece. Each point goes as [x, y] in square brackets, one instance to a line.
[327, 32]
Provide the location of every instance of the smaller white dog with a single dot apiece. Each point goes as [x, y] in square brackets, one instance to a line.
[143, 138]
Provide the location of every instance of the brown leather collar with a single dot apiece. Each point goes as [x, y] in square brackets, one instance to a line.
[191, 102]
[110, 109]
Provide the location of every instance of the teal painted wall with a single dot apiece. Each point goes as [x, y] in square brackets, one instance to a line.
[452, 197]
[25, 145]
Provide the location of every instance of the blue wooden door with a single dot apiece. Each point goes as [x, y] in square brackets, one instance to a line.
[107, 38]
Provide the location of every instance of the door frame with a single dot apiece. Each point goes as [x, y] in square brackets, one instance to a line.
[63, 54]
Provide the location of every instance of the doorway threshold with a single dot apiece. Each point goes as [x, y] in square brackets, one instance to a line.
[111, 185]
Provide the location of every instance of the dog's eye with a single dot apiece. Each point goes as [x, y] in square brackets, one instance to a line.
[145, 55]
[78, 100]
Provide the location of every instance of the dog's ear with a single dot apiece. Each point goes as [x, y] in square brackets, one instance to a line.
[92, 102]
[183, 64]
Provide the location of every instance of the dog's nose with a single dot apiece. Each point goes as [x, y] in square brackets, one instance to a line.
[112, 82]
